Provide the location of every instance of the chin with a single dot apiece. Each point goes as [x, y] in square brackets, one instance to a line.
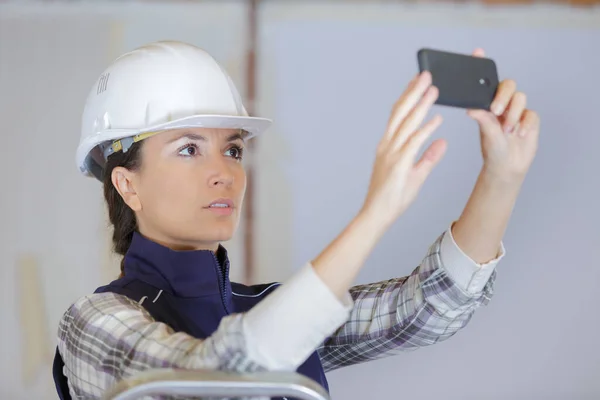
[217, 232]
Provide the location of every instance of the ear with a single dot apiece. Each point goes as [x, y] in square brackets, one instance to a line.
[123, 180]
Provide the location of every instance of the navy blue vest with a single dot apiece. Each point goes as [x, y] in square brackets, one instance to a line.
[195, 293]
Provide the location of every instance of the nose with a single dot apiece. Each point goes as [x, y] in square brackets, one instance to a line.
[221, 174]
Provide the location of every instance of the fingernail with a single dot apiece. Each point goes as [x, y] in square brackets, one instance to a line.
[522, 131]
[497, 109]
[508, 129]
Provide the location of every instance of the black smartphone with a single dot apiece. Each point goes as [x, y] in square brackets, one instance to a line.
[464, 81]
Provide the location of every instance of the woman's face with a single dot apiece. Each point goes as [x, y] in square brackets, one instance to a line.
[189, 190]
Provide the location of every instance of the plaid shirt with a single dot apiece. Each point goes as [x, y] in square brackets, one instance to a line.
[106, 337]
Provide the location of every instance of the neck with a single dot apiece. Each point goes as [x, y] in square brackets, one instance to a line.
[180, 245]
[183, 273]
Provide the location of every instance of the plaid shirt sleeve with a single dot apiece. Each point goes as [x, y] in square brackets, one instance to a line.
[106, 337]
[430, 305]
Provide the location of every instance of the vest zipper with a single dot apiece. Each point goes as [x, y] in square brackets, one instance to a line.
[222, 275]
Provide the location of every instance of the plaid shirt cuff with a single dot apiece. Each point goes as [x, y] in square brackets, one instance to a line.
[464, 271]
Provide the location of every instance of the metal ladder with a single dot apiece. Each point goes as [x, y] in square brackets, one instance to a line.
[217, 384]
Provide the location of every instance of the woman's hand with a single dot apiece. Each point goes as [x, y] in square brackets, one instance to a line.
[509, 141]
[397, 177]
[395, 182]
[509, 134]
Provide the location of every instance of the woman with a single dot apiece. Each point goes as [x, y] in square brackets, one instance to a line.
[164, 129]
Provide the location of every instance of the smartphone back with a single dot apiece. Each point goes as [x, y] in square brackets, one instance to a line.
[463, 81]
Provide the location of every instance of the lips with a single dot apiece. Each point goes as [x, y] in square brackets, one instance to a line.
[221, 207]
[221, 203]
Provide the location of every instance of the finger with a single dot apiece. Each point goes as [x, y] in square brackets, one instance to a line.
[478, 52]
[418, 138]
[407, 101]
[393, 114]
[515, 111]
[430, 158]
[530, 122]
[414, 119]
[505, 92]
[482, 117]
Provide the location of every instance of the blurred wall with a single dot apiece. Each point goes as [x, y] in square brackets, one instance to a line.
[328, 74]
[54, 228]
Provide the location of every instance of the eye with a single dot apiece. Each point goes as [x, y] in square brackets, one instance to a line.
[189, 150]
[236, 152]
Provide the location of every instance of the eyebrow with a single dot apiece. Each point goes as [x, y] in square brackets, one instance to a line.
[193, 136]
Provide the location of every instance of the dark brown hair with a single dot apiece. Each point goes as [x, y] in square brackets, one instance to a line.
[121, 216]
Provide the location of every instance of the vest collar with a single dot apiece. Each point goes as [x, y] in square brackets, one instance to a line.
[183, 273]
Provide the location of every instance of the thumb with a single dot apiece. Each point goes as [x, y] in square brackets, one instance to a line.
[488, 122]
[481, 116]
[478, 52]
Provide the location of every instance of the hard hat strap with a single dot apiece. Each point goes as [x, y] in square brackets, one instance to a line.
[125, 143]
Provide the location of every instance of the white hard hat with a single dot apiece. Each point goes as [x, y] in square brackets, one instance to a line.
[160, 86]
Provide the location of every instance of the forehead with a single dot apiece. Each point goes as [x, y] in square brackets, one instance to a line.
[208, 134]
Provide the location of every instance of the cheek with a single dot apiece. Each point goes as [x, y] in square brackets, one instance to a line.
[175, 197]
[170, 196]
[240, 179]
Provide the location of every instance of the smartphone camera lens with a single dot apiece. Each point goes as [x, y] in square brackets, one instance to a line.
[484, 81]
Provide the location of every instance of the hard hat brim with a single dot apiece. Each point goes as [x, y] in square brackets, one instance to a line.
[90, 163]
